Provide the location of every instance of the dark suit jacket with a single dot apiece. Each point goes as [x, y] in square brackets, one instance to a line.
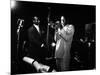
[34, 44]
[33, 50]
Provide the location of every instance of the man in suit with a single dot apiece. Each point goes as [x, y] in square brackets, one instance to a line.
[36, 53]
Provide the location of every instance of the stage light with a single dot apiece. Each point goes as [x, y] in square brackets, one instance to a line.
[53, 44]
[13, 4]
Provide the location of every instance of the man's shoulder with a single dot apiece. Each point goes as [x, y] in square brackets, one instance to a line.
[31, 28]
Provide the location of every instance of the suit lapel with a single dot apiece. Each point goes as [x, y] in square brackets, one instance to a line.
[36, 30]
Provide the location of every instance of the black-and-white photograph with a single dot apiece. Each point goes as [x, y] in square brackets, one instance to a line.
[52, 37]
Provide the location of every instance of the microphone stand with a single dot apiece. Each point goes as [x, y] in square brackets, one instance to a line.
[20, 26]
[47, 39]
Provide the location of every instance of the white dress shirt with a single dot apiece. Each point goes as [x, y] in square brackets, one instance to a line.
[37, 27]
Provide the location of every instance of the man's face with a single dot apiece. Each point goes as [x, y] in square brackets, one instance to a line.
[36, 20]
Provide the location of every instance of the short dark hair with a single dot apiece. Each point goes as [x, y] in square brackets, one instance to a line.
[33, 18]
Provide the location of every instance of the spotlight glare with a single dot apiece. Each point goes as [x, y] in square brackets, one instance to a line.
[13, 3]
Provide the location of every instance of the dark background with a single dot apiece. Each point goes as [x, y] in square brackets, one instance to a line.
[78, 15]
